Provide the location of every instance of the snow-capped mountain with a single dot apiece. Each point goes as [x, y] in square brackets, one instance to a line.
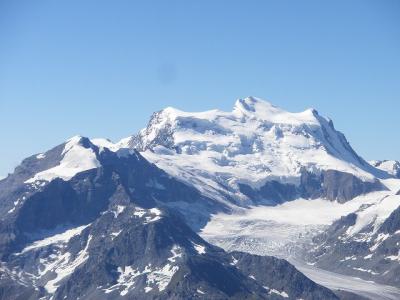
[257, 152]
[261, 154]
[101, 220]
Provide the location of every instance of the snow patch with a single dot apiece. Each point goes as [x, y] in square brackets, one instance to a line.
[40, 156]
[282, 294]
[151, 215]
[119, 209]
[175, 253]
[234, 261]
[139, 212]
[199, 248]
[394, 257]
[367, 271]
[115, 234]
[379, 240]
[126, 280]
[155, 215]
[61, 238]
[162, 277]
[63, 267]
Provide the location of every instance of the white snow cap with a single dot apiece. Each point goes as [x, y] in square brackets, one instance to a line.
[264, 110]
[75, 159]
[254, 143]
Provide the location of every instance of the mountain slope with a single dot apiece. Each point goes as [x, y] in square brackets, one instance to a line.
[256, 153]
[25, 204]
[148, 253]
[102, 229]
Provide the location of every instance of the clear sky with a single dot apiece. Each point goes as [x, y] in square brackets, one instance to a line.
[100, 68]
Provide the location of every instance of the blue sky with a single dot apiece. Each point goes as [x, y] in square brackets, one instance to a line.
[100, 68]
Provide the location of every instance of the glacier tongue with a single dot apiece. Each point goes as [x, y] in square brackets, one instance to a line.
[275, 230]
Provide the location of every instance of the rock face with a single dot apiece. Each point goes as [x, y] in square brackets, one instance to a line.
[111, 228]
[148, 254]
[332, 184]
[258, 267]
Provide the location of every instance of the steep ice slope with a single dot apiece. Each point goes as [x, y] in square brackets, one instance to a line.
[244, 154]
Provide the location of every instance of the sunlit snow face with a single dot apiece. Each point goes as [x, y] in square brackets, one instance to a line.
[75, 159]
[255, 143]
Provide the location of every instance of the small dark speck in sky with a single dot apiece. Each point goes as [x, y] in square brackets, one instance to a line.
[166, 73]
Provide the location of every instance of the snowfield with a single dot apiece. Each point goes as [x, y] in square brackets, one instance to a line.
[76, 159]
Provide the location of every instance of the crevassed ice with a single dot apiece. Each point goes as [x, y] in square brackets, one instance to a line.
[269, 229]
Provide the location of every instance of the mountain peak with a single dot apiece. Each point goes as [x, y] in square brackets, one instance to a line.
[254, 104]
[254, 107]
